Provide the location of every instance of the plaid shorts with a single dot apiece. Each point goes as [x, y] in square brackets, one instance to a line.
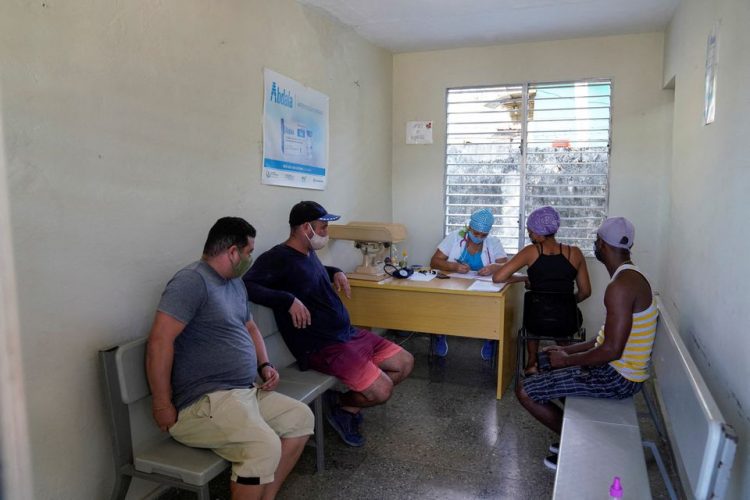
[590, 382]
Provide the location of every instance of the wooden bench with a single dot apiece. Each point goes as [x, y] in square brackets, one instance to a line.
[601, 439]
[141, 450]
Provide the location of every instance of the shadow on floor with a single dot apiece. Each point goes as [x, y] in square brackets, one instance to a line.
[443, 435]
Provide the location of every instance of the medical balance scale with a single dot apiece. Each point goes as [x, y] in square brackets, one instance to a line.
[375, 240]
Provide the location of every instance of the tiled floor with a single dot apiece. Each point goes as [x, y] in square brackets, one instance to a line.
[443, 435]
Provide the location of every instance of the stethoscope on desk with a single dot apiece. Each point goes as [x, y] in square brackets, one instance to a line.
[397, 272]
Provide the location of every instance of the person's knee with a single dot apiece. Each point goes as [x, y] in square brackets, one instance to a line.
[304, 418]
[380, 391]
[408, 363]
[405, 363]
[521, 393]
[260, 458]
[297, 421]
[270, 445]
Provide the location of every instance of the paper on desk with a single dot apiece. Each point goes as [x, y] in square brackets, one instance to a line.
[471, 275]
[483, 286]
[422, 276]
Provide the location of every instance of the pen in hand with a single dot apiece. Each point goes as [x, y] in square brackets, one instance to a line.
[463, 268]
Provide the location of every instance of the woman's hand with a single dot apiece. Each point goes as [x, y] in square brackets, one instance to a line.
[462, 268]
[489, 269]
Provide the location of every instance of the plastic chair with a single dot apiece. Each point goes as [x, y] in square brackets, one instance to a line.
[140, 449]
[548, 316]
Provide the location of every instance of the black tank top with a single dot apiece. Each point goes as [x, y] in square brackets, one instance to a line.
[552, 273]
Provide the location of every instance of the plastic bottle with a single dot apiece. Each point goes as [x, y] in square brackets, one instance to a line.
[615, 491]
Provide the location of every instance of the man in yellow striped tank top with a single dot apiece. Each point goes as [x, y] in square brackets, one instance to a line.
[615, 363]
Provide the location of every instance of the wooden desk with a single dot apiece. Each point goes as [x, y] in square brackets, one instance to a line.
[443, 307]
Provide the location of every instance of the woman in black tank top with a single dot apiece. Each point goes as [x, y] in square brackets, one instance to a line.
[552, 272]
[552, 266]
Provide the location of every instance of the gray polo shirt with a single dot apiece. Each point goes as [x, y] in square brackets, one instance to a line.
[214, 352]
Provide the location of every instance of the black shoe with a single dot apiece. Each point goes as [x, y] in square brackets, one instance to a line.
[554, 448]
[551, 462]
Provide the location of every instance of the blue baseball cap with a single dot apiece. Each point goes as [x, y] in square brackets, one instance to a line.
[308, 211]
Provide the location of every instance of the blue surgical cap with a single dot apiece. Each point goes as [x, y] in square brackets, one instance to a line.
[482, 220]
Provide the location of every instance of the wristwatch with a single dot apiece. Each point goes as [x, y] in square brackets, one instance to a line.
[263, 365]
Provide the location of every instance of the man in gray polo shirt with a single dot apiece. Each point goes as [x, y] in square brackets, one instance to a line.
[204, 352]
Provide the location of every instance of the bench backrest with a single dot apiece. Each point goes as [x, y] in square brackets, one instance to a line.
[277, 350]
[129, 395]
[703, 443]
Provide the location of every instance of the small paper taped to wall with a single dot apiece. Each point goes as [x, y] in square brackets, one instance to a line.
[419, 132]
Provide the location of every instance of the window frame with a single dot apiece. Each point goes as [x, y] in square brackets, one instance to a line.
[522, 172]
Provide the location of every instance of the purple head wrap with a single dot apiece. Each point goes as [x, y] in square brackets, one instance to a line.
[543, 221]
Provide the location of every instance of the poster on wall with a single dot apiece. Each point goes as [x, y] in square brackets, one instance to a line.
[712, 57]
[295, 134]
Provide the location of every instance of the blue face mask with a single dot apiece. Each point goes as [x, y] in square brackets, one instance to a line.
[476, 239]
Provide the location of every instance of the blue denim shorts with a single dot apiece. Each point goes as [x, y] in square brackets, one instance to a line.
[590, 382]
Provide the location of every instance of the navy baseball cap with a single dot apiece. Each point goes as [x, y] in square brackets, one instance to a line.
[308, 211]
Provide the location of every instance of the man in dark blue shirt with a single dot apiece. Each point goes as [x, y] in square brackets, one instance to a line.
[290, 279]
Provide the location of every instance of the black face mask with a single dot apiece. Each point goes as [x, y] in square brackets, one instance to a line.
[598, 254]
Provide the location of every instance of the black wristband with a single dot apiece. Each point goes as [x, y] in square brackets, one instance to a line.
[263, 365]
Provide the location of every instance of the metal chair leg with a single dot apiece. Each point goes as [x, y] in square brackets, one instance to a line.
[662, 469]
[520, 355]
[319, 438]
[650, 404]
[122, 484]
[203, 493]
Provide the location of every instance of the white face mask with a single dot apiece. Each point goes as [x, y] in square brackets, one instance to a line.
[317, 241]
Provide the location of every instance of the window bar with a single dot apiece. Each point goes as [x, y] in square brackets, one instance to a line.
[524, 137]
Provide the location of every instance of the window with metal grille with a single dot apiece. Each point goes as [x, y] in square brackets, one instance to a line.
[515, 148]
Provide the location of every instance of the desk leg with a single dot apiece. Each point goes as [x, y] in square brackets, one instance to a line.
[500, 378]
[506, 348]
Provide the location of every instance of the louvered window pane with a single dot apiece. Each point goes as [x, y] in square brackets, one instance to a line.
[515, 148]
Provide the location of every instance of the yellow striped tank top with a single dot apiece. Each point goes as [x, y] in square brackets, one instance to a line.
[636, 357]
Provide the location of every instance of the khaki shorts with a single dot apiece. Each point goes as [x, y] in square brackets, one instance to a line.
[243, 426]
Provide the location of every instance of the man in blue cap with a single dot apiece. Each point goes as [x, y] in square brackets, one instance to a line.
[315, 325]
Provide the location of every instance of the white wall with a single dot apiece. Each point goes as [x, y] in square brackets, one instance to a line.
[130, 127]
[640, 132]
[708, 269]
[14, 445]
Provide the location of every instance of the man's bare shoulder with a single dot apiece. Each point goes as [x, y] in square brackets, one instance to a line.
[630, 286]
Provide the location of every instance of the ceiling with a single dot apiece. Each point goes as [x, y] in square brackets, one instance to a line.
[416, 25]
